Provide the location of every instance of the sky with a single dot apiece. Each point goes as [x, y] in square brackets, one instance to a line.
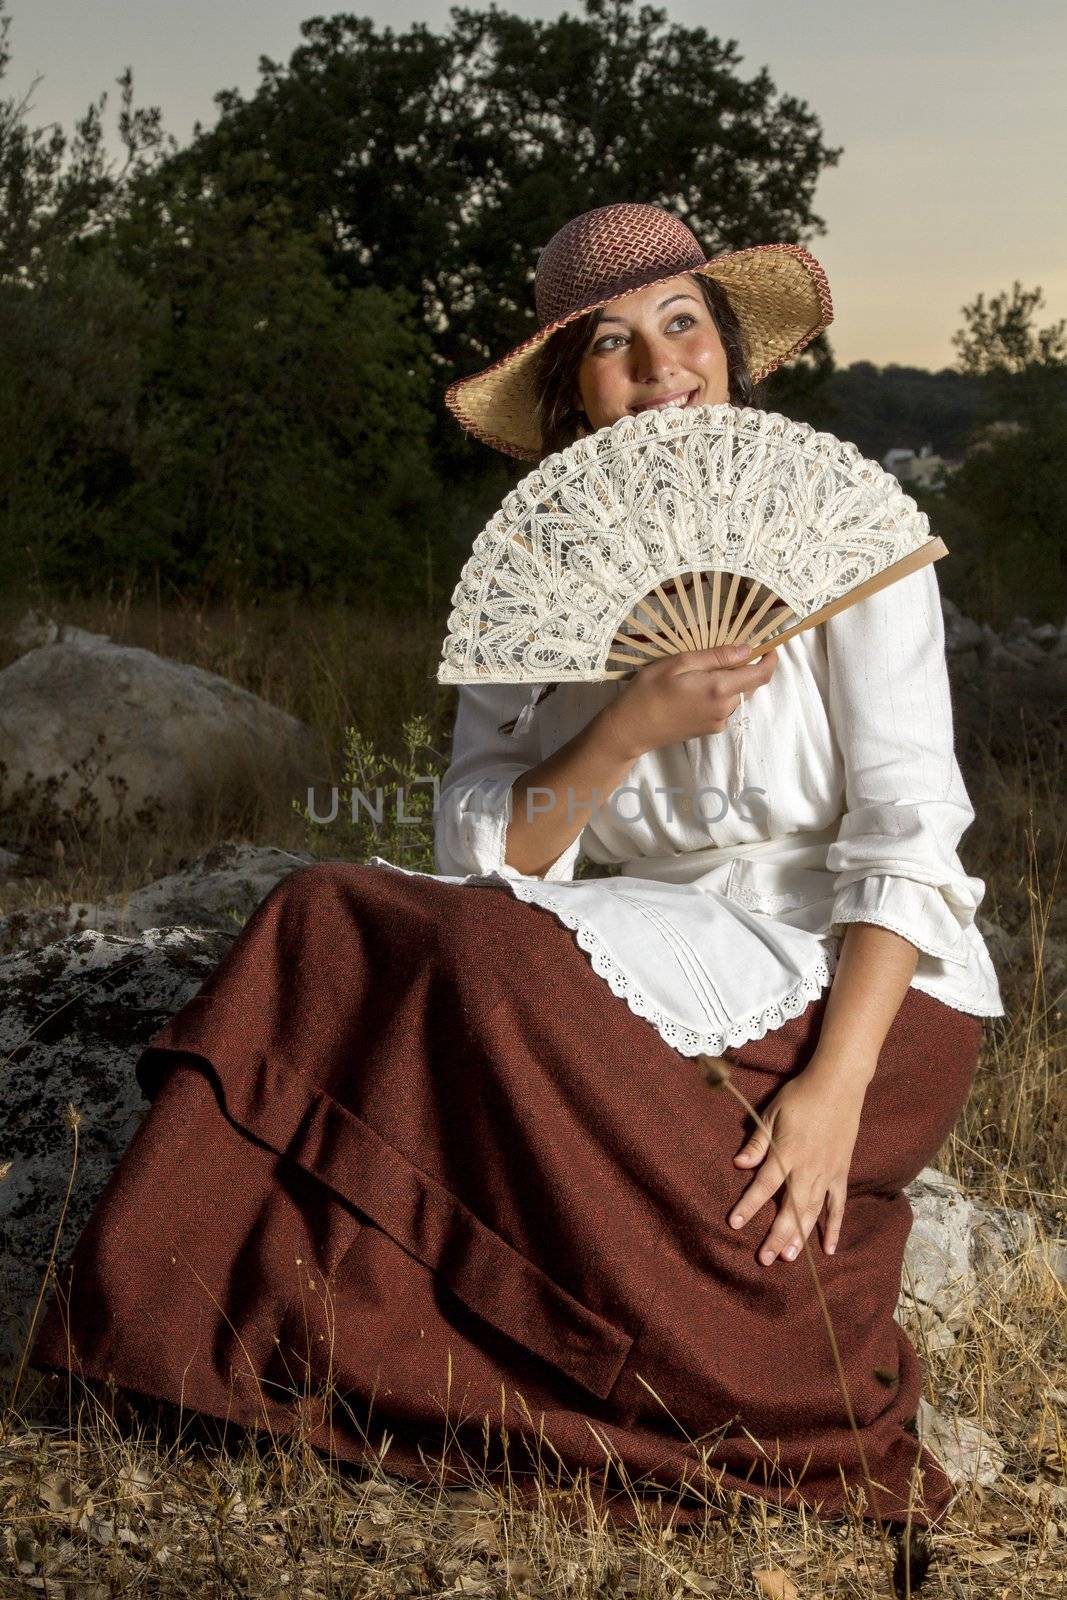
[951, 182]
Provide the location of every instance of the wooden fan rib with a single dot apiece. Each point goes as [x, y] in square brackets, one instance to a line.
[676, 621]
[663, 627]
[716, 603]
[645, 631]
[932, 550]
[728, 609]
[757, 617]
[774, 621]
[703, 633]
[694, 626]
[640, 647]
[738, 622]
[636, 661]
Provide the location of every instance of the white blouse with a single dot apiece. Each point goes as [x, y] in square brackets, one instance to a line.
[832, 796]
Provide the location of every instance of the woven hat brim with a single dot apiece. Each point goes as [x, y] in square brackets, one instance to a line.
[778, 292]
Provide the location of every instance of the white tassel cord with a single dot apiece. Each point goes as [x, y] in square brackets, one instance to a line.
[522, 721]
[739, 729]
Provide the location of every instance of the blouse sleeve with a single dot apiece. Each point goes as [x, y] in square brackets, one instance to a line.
[474, 807]
[906, 806]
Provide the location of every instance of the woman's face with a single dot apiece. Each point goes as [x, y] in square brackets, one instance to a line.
[658, 344]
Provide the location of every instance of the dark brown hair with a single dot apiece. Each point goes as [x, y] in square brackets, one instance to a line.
[556, 377]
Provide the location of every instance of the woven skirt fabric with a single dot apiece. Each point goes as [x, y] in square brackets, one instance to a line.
[412, 1174]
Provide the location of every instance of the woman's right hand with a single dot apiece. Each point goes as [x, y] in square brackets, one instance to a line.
[683, 696]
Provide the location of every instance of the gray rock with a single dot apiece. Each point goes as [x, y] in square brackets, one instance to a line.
[1005, 948]
[35, 629]
[969, 1453]
[963, 663]
[218, 890]
[991, 650]
[1007, 693]
[104, 731]
[127, 978]
[961, 633]
[960, 1250]
[1002, 1237]
[81, 1054]
[938, 1270]
[1025, 651]
[1018, 950]
[1008, 705]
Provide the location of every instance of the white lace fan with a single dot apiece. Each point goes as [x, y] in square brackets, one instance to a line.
[759, 526]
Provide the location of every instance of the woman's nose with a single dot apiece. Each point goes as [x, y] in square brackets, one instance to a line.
[651, 358]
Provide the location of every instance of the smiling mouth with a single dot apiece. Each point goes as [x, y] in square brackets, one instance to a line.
[682, 400]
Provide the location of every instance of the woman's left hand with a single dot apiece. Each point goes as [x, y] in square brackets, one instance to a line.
[815, 1120]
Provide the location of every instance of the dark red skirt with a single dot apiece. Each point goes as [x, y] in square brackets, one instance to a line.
[412, 1175]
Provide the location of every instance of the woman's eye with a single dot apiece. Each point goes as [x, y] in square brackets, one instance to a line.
[683, 316]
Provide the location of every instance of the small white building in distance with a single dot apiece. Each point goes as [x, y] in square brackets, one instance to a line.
[922, 468]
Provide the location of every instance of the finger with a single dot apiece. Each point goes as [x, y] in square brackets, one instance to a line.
[754, 1149]
[798, 1213]
[786, 1238]
[835, 1210]
[762, 1188]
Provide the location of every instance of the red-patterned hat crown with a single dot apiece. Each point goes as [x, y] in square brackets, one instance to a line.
[608, 252]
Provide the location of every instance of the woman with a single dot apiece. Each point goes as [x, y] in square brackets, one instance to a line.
[415, 1173]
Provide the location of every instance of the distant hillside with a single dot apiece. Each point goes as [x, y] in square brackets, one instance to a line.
[880, 407]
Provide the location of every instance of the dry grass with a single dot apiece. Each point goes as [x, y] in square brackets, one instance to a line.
[330, 667]
[109, 1499]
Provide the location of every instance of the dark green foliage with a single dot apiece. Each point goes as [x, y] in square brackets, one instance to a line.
[291, 412]
[878, 408]
[1004, 519]
[72, 373]
[443, 164]
[280, 306]
[1006, 507]
[222, 367]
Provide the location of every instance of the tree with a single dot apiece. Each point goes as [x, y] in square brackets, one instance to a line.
[1004, 517]
[290, 412]
[71, 329]
[1025, 367]
[315, 270]
[52, 190]
[71, 378]
[185, 392]
[1001, 338]
[803, 389]
[443, 165]
[1007, 503]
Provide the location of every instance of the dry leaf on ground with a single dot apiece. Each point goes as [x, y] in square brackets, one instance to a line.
[776, 1584]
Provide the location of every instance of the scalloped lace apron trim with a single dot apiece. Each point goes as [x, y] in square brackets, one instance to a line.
[686, 1041]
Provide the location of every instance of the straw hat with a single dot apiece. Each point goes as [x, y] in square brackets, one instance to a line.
[778, 292]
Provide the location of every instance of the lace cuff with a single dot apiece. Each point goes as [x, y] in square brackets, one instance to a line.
[918, 912]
